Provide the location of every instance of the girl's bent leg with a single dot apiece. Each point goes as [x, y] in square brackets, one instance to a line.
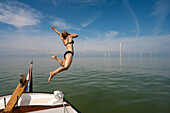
[59, 60]
[67, 64]
[56, 71]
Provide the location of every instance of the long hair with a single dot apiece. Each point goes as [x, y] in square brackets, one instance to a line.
[64, 34]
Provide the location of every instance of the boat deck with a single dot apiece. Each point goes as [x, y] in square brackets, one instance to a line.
[38, 103]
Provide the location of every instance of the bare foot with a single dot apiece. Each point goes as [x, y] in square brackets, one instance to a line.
[51, 75]
[54, 57]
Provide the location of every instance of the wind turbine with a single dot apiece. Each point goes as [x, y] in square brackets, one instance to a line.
[120, 49]
[141, 54]
[108, 53]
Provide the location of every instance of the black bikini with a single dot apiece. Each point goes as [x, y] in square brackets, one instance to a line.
[68, 52]
[72, 42]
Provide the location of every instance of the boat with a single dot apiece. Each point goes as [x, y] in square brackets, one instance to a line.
[25, 100]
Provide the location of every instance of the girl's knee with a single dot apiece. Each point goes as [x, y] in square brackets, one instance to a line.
[66, 67]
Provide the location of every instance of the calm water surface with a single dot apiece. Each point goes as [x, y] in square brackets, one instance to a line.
[98, 85]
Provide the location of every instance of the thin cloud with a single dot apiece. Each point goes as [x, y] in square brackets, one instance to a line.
[104, 41]
[97, 14]
[91, 20]
[135, 45]
[54, 2]
[111, 34]
[62, 24]
[86, 2]
[57, 3]
[161, 11]
[90, 2]
[134, 17]
[18, 14]
[88, 22]
[40, 43]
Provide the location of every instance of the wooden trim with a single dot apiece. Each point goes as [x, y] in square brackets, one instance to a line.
[14, 98]
[23, 109]
[31, 79]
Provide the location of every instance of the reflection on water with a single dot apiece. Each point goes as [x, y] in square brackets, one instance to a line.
[98, 85]
[120, 64]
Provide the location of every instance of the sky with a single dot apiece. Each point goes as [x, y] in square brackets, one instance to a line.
[141, 25]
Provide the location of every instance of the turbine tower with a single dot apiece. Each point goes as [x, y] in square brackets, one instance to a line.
[141, 54]
[120, 49]
[108, 53]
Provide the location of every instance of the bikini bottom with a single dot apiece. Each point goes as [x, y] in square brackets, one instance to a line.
[67, 53]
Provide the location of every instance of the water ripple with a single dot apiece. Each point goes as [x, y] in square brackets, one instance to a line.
[105, 85]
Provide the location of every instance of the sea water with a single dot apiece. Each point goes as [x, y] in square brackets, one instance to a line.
[98, 85]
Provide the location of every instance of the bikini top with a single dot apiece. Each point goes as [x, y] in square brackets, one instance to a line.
[72, 42]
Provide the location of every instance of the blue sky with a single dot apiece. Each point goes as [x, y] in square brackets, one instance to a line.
[142, 25]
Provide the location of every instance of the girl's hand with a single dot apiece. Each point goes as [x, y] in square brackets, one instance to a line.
[52, 27]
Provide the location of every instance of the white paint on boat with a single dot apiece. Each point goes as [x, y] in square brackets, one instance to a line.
[40, 99]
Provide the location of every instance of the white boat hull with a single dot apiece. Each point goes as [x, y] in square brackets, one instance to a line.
[38, 103]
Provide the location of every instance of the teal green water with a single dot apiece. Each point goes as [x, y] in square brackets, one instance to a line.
[98, 85]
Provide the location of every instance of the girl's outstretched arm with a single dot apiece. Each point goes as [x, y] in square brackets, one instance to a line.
[54, 28]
